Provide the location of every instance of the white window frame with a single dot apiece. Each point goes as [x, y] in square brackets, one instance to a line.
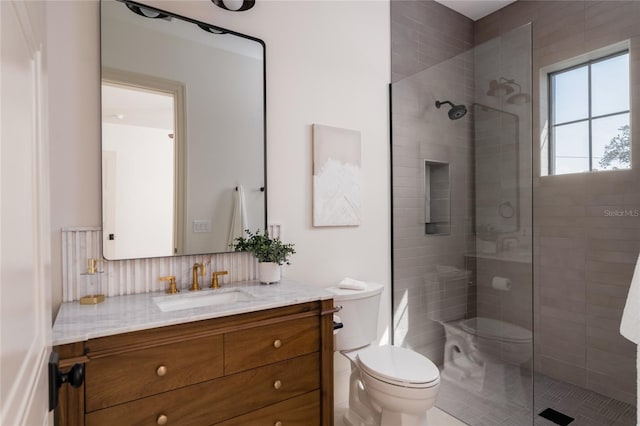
[550, 108]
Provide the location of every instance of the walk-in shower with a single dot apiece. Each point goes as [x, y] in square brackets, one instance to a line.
[513, 347]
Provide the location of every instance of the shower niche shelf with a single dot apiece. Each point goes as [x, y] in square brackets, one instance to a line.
[437, 198]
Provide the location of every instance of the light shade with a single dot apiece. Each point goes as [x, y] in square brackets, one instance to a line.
[235, 5]
[499, 89]
[147, 12]
[519, 99]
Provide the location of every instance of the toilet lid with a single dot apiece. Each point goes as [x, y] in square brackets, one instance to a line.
[496, 329]
[396, 365]
[340, 294]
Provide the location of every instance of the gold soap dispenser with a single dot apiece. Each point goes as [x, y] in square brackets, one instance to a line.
[91, 287]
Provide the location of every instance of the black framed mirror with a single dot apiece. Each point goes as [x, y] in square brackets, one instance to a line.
[183, 133]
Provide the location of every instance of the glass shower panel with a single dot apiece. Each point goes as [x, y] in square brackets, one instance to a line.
[464, 299]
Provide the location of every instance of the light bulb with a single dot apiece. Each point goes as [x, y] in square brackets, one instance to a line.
[233, 4]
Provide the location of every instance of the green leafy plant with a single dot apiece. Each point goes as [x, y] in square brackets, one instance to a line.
[618, 150]
[266, 249]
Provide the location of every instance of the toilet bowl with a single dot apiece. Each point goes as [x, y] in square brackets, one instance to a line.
[471, 344]
[389, 385]
[401, 384]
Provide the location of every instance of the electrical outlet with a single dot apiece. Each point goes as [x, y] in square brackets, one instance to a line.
[275, 230]
[201, 226]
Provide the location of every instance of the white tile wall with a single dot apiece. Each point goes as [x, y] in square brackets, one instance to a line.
[122, 277]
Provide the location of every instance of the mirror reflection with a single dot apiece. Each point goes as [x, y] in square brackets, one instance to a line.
[498, 181]
[183, 139]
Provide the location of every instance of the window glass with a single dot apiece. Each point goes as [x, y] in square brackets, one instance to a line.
[589, 123]
[572, 148]
[570, 94]
[610, 85]
[611, 142]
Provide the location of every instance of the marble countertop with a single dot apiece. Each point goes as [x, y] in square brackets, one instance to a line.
[123, 314]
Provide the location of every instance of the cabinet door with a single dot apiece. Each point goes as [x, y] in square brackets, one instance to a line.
[267, 344]
[135, 374]
[300, 411]
[218, 400]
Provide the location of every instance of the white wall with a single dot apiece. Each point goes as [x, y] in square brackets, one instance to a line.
[140, 187]
[74, 123]
[328, 62]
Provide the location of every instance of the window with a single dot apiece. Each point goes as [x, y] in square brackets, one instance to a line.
[589, 116]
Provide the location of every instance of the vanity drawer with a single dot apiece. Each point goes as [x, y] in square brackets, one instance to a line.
[131, 375]
[299, 411]
[217, 400]
[266, 344]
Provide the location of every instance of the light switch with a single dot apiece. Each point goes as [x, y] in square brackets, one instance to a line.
[201, 226]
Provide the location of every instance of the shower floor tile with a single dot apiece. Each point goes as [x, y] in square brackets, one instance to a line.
[506, 400]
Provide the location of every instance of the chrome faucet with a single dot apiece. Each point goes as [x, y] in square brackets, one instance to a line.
[195, 286]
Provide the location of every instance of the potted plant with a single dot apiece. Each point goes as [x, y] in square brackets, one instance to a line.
[270, 252]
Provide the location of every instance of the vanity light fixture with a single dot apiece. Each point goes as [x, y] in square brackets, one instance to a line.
[503, 87]
[235, 5]
[147, 12]
[500, 87]
[519, 98]
[212, 30]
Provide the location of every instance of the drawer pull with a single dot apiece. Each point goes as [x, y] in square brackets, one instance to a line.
[277, 384]
[162, 419]
[277, 343]
[161, 371]
[278, 423]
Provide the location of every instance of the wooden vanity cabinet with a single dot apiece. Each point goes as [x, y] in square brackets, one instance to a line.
[271, 367]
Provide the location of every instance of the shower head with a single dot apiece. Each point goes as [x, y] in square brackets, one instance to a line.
[456, 111]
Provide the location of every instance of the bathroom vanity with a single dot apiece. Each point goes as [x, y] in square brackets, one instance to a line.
[267, 359]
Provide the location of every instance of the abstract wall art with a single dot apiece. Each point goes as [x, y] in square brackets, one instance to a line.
[336, 176]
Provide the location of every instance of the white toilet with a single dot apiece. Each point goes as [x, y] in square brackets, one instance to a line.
[389, 385]
[472, 345]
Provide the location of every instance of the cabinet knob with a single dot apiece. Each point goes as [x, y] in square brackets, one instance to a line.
[277, 343]
[278, 423]
[277, 384]
[162, 419]
[161, 371]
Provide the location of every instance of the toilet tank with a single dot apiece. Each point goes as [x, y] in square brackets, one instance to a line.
[446, 293]
[359, 316]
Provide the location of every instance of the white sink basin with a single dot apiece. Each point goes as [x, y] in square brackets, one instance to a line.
[200, 299]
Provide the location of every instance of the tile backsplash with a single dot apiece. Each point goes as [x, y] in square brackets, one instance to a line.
[133, 276]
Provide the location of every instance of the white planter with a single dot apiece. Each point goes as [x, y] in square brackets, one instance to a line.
[268, 272]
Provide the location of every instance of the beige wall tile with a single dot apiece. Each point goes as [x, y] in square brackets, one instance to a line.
[583, 256]
[605, 384]
[563, 371]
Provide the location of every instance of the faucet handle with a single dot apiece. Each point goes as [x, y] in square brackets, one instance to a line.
[92, 265]
[173, 288]
[214, 278]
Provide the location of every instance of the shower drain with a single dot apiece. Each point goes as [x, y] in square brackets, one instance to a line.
[556, 416]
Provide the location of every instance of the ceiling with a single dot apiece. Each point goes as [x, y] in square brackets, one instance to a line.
[475, 9]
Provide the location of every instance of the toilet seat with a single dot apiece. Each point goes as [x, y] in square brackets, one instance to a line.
[398, 366]
[496, 330]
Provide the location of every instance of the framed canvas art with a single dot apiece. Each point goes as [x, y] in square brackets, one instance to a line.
[336, 176]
